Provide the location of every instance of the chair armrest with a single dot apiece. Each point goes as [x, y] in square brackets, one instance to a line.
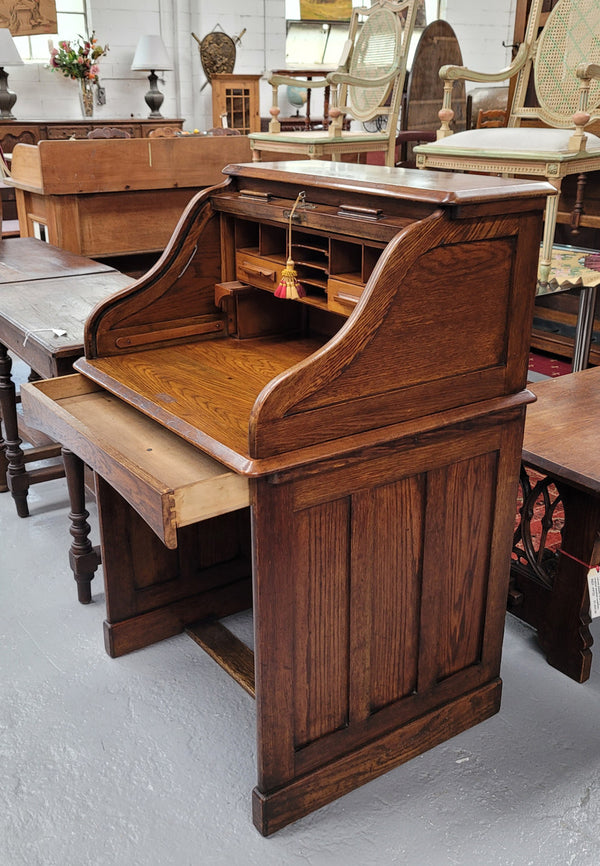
[276, 81]
[336, 78]
[457, 73]
[450, 74]
[280, 80]
[588, 71]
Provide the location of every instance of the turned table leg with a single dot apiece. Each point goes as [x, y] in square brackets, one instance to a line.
[3, 460]
[83, 557]
[13, 458]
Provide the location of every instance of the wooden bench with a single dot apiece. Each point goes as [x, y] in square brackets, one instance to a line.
[549, 589]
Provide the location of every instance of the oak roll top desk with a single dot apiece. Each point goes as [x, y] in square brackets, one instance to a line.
[346, 463]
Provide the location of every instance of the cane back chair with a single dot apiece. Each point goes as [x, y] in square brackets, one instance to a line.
[563, 64]
[367, 84]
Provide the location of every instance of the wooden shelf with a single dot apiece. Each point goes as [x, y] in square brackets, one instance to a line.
[321, 261]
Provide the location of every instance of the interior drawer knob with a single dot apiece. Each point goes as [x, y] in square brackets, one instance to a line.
[258, 272]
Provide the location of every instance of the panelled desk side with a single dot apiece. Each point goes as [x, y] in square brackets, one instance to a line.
[378, 426]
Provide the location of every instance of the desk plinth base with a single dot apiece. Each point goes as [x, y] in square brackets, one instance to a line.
[274, 810]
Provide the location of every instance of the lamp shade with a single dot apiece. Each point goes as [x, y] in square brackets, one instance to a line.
[151, 54]
[9, 56]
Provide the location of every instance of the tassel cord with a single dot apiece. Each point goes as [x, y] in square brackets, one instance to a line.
[289, 285]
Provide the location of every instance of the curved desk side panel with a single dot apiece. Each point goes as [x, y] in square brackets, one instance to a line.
[439, 325]
[174, 301]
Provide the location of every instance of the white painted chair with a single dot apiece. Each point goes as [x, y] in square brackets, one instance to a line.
[563, 63]
[367, 84]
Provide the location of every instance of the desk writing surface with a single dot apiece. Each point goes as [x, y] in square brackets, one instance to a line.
[203, 391]
[561, 430]
[31, 259]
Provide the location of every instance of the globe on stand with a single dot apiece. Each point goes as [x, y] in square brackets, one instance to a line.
[297, 97]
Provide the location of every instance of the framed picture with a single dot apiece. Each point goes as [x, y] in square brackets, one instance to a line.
[325, 10]
[27, 17]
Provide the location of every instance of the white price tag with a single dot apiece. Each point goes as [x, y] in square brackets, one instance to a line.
[594, 588]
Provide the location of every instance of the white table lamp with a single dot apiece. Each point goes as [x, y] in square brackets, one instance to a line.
[151, 54]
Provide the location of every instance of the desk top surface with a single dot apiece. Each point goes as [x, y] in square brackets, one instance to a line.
[432, 187]
[562, 428]
[46, 295]
[25, 259]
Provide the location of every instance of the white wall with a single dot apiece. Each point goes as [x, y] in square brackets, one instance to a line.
[480, 27]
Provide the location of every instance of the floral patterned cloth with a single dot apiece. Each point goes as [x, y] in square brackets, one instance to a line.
[572, 268]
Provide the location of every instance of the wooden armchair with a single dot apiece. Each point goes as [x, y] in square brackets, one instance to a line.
[367, 84]
[562, 64]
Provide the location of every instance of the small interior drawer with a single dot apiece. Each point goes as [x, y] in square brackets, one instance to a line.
[169, 482]
[259, 271]
[343, 295]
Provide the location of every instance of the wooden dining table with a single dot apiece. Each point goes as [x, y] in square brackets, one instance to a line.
[560, 479]
[46, 294]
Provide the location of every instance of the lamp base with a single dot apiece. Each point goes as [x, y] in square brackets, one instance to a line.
[154, 98]
[7, 97]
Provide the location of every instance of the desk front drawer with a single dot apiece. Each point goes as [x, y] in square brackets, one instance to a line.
[168, 481]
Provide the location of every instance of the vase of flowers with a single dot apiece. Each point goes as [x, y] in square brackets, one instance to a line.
[79, 60]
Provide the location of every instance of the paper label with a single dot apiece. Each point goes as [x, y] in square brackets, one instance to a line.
[594, 588]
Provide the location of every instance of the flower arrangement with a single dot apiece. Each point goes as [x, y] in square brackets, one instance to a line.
[78, 59]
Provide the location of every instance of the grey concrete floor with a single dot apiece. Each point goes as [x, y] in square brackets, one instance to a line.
[149, 760]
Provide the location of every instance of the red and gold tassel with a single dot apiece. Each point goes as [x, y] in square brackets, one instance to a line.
[289, 284]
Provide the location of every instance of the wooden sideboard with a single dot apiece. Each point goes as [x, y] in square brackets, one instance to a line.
[346, 463]
[13, 132]
[115, 197]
